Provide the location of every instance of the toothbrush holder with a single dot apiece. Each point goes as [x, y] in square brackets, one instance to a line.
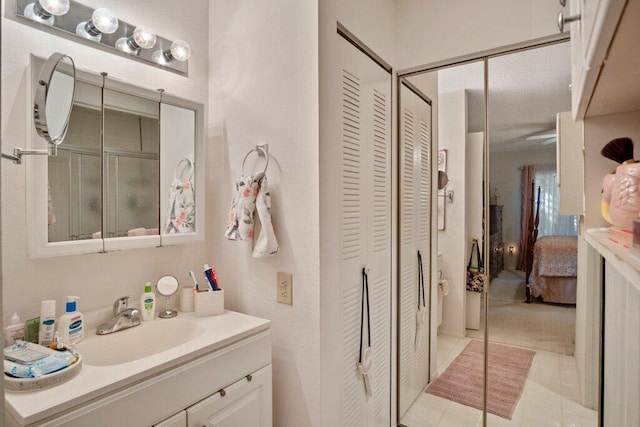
[209, 303]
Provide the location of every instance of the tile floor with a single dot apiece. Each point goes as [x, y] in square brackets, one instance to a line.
[549, 397]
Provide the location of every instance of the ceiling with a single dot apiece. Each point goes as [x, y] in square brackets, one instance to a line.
[526, 90]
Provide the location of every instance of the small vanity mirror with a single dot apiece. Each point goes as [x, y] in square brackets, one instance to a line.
[167, 286]
[54, 98]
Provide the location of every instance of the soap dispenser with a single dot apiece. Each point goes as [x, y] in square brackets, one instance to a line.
[148, 303]
[70, 324]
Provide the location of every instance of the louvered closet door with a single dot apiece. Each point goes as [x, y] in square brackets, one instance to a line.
[366, 231]
[414, 235]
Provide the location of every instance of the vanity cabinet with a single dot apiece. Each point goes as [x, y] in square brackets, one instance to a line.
[222, 377]
[246, 402]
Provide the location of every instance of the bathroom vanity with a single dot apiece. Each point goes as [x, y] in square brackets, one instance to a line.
[185, 371]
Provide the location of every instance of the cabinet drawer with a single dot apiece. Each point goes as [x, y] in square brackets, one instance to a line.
[158, 398]
[244, 403]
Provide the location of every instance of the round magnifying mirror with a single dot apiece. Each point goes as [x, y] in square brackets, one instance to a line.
[54, 98]
[167, 286]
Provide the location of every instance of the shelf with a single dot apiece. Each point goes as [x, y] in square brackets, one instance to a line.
[626, 261]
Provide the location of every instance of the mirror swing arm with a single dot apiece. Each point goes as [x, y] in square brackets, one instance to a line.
[43, 127]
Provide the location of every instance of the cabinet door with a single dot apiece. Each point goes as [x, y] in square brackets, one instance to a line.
[590, 41]
[178, 420]
[414, 236]
[570, 164]
[244, 403]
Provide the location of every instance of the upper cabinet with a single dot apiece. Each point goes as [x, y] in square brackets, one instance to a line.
[125, 175]
[605, 57]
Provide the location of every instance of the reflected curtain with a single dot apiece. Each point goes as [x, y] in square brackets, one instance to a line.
[526, 194]
[551, 222]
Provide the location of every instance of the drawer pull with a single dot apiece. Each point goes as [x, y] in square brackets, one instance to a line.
[249, 377]
[223, 393]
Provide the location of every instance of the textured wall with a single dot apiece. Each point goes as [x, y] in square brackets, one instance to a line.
[264, 74]
[433, 30]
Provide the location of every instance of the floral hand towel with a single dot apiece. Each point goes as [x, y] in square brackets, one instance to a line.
[250, 192]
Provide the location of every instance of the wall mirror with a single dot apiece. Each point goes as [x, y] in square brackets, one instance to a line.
[125, 176]
[500, 144]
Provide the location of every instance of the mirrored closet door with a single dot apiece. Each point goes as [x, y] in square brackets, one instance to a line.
[437, 362]
[494, 133]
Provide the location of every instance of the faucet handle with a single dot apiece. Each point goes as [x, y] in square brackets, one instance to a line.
[121, 304]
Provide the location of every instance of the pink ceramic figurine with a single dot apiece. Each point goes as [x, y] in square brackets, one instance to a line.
[623, 192]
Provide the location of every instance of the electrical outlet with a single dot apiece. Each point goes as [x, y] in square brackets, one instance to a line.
[285, 288]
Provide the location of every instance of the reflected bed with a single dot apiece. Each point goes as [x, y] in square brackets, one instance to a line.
[554, 270]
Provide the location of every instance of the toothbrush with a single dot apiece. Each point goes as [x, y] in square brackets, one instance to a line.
[195, 282]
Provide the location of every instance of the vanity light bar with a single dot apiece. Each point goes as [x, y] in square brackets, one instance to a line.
[125, 40]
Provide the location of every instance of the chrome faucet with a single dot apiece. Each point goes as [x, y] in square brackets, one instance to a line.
[123, 317]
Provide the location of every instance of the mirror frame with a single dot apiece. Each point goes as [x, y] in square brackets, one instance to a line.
[37, 179]
[41, 97]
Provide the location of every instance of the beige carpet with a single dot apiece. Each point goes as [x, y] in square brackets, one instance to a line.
[539, 326]
[462, 380]
[508, 286]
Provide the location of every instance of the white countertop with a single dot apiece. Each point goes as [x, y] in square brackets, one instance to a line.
[95, 381]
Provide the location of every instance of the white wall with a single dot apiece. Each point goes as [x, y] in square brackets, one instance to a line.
[452, 134]
[98, 278]
[433, 30]
[264, 89]
[598, 131]
[504, 175]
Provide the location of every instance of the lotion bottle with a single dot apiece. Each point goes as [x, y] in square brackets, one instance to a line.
[148, 303]
[71, 324]
[15, 331]
[47, 322]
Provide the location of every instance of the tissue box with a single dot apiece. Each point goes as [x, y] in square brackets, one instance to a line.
[209, 303]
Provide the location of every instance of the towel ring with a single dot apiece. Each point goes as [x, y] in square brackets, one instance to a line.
[262, 150]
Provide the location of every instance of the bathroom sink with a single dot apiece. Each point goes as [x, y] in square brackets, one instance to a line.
[135, 343]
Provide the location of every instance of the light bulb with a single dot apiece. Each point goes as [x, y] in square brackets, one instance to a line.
[142, 37]
[55, 7]
[103, 21]
[180, 51]
[45, 11]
